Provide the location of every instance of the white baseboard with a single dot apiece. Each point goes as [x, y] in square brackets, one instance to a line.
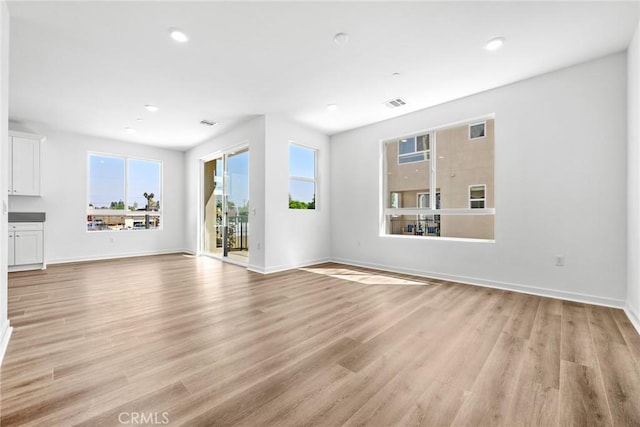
[279, 268]
[115, 256]
[5, 334]
[634, 316]
[525, 289]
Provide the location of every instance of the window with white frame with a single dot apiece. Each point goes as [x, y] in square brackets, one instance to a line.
[439, 185]
[477, 130]
[477, 196]
[413, 149]
[302, 177]
[123, 193]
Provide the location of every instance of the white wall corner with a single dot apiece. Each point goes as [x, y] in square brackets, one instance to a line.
[633, 180]
[5, 334]
[634, 316]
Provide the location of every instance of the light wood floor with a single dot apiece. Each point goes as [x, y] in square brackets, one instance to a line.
[196, 342]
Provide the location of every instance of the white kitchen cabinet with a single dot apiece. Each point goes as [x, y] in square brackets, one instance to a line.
[12, 251]
[24, 164]
[26, 244]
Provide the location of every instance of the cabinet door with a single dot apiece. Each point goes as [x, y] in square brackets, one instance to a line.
[28, 247]
[26, 167]
[11, 249]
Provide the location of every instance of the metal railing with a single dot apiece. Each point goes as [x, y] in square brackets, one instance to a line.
[237, 233]
[429, 226]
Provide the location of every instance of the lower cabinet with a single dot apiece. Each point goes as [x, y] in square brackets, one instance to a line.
[26, 241]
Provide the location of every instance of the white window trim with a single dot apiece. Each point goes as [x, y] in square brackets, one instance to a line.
[484, 122]
[314, 180]
[484, 199]
[124, 212]
[386, 212]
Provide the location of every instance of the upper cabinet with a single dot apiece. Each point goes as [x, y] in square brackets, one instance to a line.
[24, 164]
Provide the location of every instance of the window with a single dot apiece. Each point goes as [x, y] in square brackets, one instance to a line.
[395, 200]
[477, 130]
[124, 193]
[440, 195]
[477, 196]
[413, 149]
[302, 177]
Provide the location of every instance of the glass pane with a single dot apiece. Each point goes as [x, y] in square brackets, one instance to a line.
[302, 194]
[238, 187]
[477, 130]
[213, 206]
[237, 197]
[302, 162]
[407, 145]
[477, 204]
[106, 182]
[476, 192]
[411, 158]
[143, 189]
[422, 143]
[395, 200]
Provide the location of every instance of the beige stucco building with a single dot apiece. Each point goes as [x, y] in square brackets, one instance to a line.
[463, 157]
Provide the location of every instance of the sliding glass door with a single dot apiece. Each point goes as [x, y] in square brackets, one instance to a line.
[226, 206]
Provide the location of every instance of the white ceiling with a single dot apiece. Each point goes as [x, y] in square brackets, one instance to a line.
[90, 67]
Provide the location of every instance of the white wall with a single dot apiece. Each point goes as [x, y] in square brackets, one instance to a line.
[633, 180]
[560, 189]
[252, 134]
[64, 199]
[5, 330]
[295, 237]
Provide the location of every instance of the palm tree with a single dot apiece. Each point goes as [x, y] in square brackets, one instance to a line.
[149, 197]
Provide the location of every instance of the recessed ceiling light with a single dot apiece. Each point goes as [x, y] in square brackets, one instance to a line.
[332, 107]
[151, 108]
[178, 35]
[341, 38]
[129, 130]
[395, 75]
[139, 119]
[494, 44]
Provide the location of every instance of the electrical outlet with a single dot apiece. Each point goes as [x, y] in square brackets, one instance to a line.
[559, 260]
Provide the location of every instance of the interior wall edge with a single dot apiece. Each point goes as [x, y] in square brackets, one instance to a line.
[4, 339]
[117, 256]
[281, 268]
[634, 316]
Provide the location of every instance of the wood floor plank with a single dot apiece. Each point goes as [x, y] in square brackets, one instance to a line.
[210, 343]
[577, 344]
[619, 371]
[583, 399]
[494, 391]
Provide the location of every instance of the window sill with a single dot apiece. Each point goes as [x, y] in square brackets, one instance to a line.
[437, 238]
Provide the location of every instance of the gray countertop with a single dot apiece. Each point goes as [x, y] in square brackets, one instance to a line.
[27, 216]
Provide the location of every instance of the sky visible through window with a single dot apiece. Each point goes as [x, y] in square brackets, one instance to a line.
[107, 181]
[238, 173]
[302, 164]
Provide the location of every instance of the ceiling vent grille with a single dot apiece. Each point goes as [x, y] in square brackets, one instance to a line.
[395, 103]
[208, 123]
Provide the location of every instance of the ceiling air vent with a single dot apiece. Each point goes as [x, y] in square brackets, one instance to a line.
[395, 103]
[208, 123]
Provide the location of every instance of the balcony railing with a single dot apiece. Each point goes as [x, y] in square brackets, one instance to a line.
[429, 226]
[237, 233]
